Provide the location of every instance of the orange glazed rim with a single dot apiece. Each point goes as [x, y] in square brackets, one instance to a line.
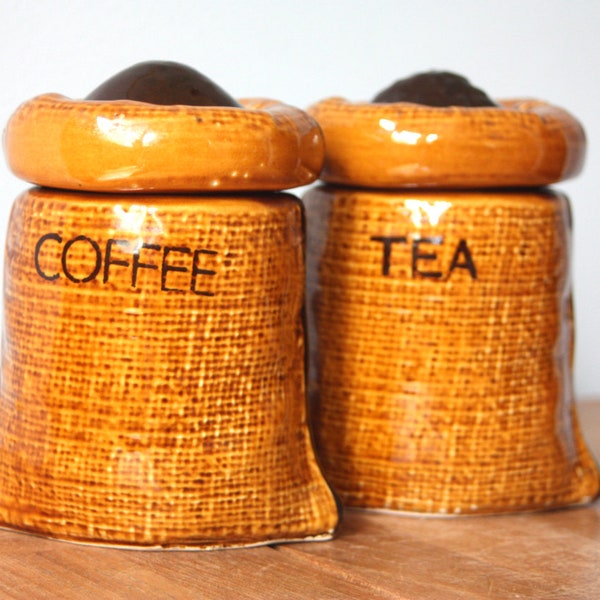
[132, 146]
[520, 142]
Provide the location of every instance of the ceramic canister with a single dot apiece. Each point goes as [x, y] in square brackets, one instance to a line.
[153, 359]
[441, 308]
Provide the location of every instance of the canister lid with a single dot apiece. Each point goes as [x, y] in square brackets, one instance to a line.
[134, 144]
[400, 144]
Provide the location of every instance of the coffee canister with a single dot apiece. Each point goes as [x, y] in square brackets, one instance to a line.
[153, 359]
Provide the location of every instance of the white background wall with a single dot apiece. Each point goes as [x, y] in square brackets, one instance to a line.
[300, 51]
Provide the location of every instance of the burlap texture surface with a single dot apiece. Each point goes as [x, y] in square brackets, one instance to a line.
[441, 328]
[153, 372]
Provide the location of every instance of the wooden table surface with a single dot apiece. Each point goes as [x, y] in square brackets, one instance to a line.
[544, 556]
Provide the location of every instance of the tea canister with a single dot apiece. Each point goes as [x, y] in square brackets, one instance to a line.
[153, 359]
[441, 306]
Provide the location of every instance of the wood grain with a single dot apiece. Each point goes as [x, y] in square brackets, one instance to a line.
[551, 555]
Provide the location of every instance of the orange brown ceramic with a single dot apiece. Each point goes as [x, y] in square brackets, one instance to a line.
[442, 326]
[125, 145]
[153, 363]
[401, 144]
[445, 341]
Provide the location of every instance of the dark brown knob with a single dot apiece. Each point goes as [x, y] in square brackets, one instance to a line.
[167, 83]
[435, 88]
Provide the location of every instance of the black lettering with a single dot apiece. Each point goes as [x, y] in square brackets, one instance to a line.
[417, 256]
[198, 271]
[38, 247]
[97, 266]
[108, 258]
[165, 268]
[463, 250]
[137, 264]
[81, 261]
[387, 242]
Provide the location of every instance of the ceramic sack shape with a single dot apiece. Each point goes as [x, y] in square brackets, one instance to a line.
[153, 369]
[441, 308]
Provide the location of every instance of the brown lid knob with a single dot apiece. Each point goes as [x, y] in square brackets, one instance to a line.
[159, 82]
